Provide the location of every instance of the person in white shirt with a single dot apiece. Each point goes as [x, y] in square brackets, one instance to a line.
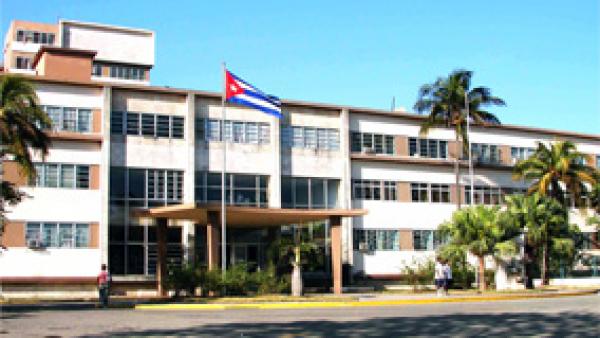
[439, 276]
[447, 271]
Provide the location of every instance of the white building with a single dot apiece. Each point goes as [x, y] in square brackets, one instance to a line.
[120, 144]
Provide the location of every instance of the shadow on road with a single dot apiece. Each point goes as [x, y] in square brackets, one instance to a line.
[503, 324]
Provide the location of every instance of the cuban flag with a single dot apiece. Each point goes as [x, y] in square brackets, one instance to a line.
[241, 92]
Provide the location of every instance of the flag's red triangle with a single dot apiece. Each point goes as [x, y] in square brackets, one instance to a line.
[231, 86]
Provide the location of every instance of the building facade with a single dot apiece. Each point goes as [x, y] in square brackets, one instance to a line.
[120, 144]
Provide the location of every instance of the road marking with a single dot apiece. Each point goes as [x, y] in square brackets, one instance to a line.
[341, 304]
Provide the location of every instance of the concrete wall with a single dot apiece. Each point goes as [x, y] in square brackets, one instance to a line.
[134, 46]
[23, 262]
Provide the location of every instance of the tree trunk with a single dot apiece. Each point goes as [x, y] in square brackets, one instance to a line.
[457, 171]
[481, 273]
[545, 260]
[297, 274]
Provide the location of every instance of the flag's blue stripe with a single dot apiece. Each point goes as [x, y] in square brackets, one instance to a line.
[260, 96]
[274, 112]
[275, 101]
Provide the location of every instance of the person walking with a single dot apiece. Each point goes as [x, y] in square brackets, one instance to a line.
[447, 270]
[439, 276]
[103, 280]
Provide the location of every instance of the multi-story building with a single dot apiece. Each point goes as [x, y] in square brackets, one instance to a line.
[120, 144]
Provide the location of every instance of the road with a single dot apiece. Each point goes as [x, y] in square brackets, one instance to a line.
[569, 316]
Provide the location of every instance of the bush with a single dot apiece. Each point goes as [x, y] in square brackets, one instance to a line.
[183, 278]
[268, 282]
[419, 274]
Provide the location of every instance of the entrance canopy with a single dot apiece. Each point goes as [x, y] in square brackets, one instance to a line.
[246, 216]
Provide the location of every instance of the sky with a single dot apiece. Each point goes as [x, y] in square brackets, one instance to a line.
[541, 57]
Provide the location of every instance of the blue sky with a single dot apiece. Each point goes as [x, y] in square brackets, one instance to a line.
[542, 57]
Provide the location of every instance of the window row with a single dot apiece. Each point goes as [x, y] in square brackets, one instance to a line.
[429, 148]
[124, 72]
[234, 131]
[310, 137]
[146, 187]
[35, 37]
[57, 235]
[485, 153]
[371, 240]
[372, 143]
[147, 124]
[430, 192]
[244, 190]
[60, 175]
[483, 195]
[428, 240]
[309, 193]
[520, 153]
[371, 190]
[69, 118]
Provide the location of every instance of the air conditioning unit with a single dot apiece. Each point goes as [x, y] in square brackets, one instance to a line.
[35, 244]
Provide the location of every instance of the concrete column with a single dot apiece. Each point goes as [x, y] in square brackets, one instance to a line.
[275, 179]
[345, 195]
[213, 238]
[336, 253]
[188, 233]
[161, 257]
[105, 173]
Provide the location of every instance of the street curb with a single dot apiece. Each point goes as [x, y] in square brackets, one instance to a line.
[341, 304]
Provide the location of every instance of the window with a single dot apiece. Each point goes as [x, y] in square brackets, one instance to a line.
[245, 190]
[127, 72]
[428, 148]
[372, 143]
[20, 35]
[366, 189]
[23, 62]
[440, 193]
[485, 153]
[97, 69]
[483, 195]
[520, 153]
[58, 235]
[54, 175]
[70, 119]
[309, 137]
[419, 192]
[309, 193]
[389, 191]
[147, 124]
[371, 240]
[235, 131]
[426, 240]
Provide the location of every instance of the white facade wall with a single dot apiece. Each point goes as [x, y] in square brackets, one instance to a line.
[69, 96]
[113, 44]
[389, 262]
[24, 262]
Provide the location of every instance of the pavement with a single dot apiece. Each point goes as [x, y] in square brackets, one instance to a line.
[576, 316]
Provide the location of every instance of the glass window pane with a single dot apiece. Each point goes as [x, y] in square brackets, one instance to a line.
[50, 235]
[65, 235]
[133, 124]
[33, 232]
[81, 235]
[84, 120]
[69, 119]
[317, 192]
[378, 142]
[265, 133]
[334, 139]
[148, 124]
[55, 115]
[137, 180]
[356, 143]
[51, 173]
[332, 193]
[67, 176]
[322, 139]
[298, 134]
[310, 137]
[252, 132]
[238, 132]
[177, 127]
[301, 192]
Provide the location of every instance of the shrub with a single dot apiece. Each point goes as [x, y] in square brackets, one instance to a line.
[268, 282]
[183, 278]
[419, 274]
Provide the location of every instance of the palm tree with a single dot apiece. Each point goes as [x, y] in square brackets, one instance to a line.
[21, 128]
[482, 231]
[444, 101]
[545, 223]
[556, 170]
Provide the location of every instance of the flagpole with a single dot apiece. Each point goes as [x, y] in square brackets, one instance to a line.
[472, 192]
[223, 177]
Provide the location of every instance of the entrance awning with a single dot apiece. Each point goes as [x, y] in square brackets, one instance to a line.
[246, 216]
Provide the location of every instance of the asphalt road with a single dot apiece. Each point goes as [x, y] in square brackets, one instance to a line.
[570, 316]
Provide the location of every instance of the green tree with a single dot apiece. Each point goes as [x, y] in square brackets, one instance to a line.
[22, 122]
[444, 102]
[544, 221]
[481, 231]
[555, 170]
